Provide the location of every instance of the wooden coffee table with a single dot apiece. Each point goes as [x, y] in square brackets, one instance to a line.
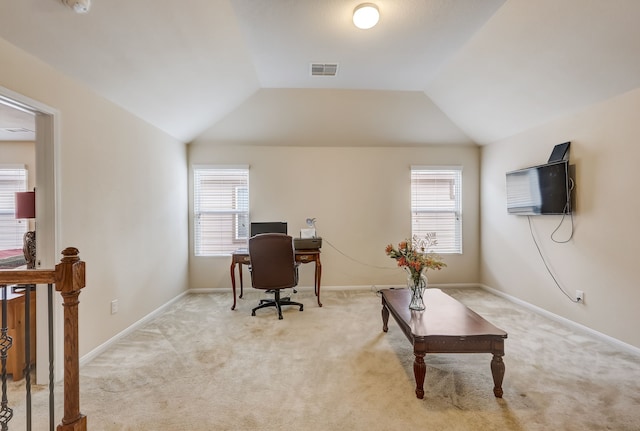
[445, 326]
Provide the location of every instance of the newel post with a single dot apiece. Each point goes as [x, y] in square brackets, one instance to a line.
[70, 278]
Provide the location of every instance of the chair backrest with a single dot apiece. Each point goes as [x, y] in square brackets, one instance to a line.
[273, 263]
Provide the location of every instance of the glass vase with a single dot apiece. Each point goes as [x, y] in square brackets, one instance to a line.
[417, 283]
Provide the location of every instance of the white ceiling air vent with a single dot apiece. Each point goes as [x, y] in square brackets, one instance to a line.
[324, 69]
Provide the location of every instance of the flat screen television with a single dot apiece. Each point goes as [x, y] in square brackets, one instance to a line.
[268, 227]
[543, 189]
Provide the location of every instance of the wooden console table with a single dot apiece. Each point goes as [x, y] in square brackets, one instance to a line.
[241, 257]
[445, 326]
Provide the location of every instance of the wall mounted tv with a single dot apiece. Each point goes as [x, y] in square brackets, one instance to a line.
[544, 189]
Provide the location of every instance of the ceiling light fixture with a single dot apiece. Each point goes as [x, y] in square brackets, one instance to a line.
[79, 6]
[366, 15]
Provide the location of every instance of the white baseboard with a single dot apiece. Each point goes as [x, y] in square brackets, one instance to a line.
[620, 344]
[207, 290]
[107, 344]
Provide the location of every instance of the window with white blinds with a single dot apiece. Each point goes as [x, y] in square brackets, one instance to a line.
[221, 209]
[12, 180]
[436, 206]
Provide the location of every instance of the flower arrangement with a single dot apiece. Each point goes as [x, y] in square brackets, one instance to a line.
[415, 256]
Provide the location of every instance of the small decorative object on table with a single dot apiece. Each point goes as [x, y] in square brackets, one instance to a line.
[414, 256]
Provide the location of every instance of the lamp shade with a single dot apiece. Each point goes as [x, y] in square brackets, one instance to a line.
[25, 205]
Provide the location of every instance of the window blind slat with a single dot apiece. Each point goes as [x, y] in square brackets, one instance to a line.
[436, 206]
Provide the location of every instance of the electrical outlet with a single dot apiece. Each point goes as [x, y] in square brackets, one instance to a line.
[579, 296]
[114, 306]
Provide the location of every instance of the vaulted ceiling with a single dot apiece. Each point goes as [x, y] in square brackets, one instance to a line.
[431, 71]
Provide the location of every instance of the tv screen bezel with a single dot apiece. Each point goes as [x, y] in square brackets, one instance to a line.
[534, 210]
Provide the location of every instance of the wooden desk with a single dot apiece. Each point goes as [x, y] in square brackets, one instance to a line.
[16, 361]
[445, 326]
[241, 257]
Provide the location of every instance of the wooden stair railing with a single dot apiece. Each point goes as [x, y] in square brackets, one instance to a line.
[69, 278]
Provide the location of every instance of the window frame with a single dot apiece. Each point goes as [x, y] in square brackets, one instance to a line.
[425, 200]
[218, 209]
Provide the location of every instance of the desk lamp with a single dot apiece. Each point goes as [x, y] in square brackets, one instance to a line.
[311, 222]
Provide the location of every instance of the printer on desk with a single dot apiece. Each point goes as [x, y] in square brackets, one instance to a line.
[307, 240]
[307, 243]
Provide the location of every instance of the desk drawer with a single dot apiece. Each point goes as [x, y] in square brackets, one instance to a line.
[304, 258]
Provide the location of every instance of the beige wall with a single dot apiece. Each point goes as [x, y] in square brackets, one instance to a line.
[360, 198]
[122, 193]
[602, 257]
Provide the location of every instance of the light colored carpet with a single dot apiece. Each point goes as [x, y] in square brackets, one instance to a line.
[201, 366]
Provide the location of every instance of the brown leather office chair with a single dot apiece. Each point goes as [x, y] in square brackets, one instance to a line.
[273, 267]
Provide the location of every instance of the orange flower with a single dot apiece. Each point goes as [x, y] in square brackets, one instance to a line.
[414, 255]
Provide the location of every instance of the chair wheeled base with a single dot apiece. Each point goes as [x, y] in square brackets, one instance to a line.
[276, 302]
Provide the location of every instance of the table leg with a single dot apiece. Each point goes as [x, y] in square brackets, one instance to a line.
[317, 280]
[233, 283]
[497, 370]
[385, 316]
[241, 283]
[419, 371]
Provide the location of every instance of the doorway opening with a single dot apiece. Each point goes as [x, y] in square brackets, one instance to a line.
[46, 221]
